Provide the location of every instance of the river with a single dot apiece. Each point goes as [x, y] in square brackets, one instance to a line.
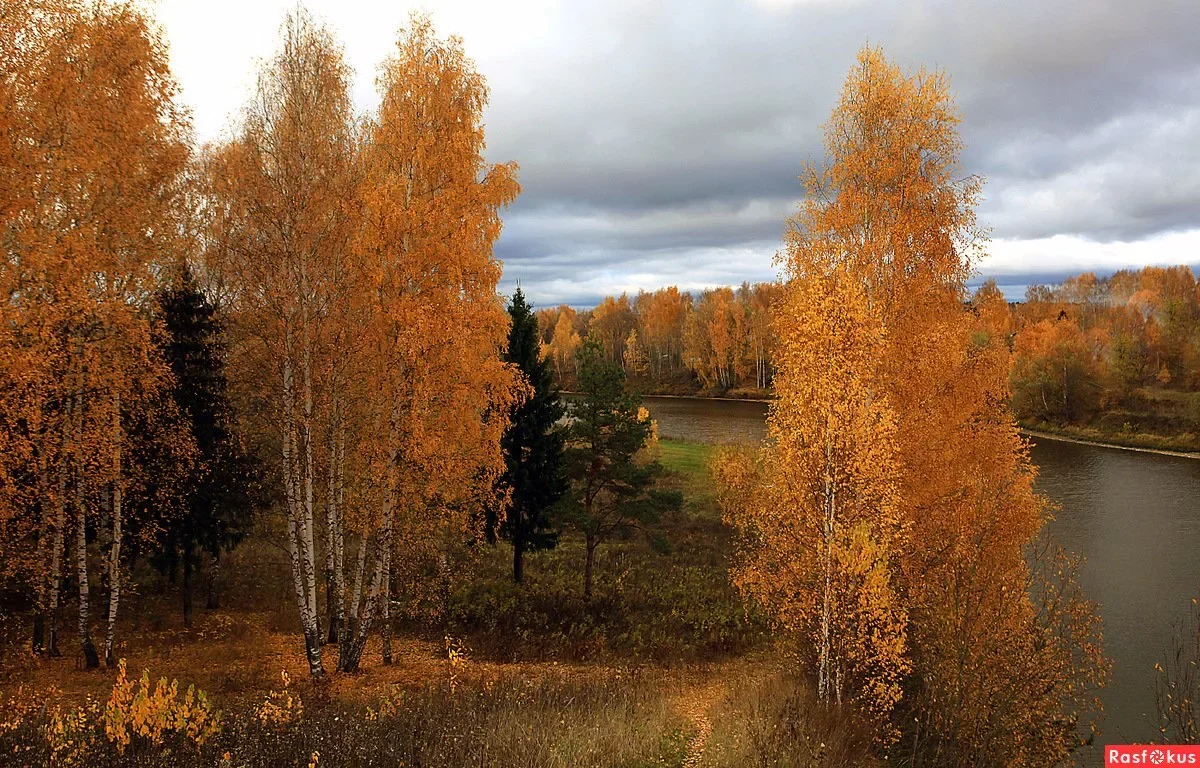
[1134, 516]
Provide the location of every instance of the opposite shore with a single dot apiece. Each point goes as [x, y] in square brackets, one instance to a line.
[1061, 434]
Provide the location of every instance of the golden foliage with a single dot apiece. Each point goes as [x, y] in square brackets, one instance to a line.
[153, 714]
[281, 706]
[894, 486]
[133, 711]
[819, 505]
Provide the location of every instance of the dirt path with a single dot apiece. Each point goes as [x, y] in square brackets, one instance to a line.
[696, 705]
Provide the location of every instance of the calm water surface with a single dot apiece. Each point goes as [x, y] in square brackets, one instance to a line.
[1134, 516]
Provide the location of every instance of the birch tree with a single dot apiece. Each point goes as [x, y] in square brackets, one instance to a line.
[889, 224]
[94, 215]
[430, 217]
[820, 505]
[281, 204]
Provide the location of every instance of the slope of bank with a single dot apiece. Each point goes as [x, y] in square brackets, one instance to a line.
[1183, 447]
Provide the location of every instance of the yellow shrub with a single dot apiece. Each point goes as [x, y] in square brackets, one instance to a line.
[281, 706]
[69, 735]
[152, 714]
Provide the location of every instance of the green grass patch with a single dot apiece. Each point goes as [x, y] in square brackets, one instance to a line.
[687, 458]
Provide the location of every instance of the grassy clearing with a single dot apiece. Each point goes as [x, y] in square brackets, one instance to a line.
[658, 669]
[688, 459]
[651, 604]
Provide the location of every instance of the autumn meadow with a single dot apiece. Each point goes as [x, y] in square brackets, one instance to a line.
[286, 479]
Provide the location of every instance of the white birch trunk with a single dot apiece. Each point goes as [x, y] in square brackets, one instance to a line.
[334, 544]
[299, 533]
[114, 559]
[306, 518]
[829, 500]
[91, 659]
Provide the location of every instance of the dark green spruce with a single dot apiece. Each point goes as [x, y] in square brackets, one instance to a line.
[221, 493]
[532, 445]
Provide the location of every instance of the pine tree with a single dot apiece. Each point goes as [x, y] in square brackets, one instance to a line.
[613, 489]
[532, 444]
[220, 494]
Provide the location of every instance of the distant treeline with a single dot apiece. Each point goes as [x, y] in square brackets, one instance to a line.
[1093, 342]
[1087, 346]
[715, 342]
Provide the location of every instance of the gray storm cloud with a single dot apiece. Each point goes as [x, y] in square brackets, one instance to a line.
[661, 142]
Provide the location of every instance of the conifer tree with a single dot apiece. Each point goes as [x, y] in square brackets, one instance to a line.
[533, 443]
[220, 494]
[613, 489]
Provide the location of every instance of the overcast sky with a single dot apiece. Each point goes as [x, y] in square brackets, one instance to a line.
[660, 142]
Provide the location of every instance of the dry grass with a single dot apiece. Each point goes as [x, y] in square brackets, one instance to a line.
[770, 719]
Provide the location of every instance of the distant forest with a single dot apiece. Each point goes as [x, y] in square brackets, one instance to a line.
[1088, 347]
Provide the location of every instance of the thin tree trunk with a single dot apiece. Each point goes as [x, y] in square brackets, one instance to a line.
[359, 568]
[591, 543]
[827, 596]
[50, 541]
[214, 583]
[58, 548]
[335, 582]
[91, 658]
[307, 519]
[387, 608]
[114, 557]
[43, 554]
[518, 558]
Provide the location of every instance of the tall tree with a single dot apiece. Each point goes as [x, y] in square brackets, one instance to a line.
[532, 443]
[220, 494]
[283, 205]
[820, 505]
[613, 483]
[431, 214]
[892, 213]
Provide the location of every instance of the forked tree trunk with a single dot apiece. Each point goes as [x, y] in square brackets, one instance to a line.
[114, 555]
[300, 543]
[354, 642]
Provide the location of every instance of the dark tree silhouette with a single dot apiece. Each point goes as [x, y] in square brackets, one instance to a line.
[221, 493]
[532, 444]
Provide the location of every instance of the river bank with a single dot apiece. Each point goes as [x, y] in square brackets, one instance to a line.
[725, 420]
[1141, 443]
